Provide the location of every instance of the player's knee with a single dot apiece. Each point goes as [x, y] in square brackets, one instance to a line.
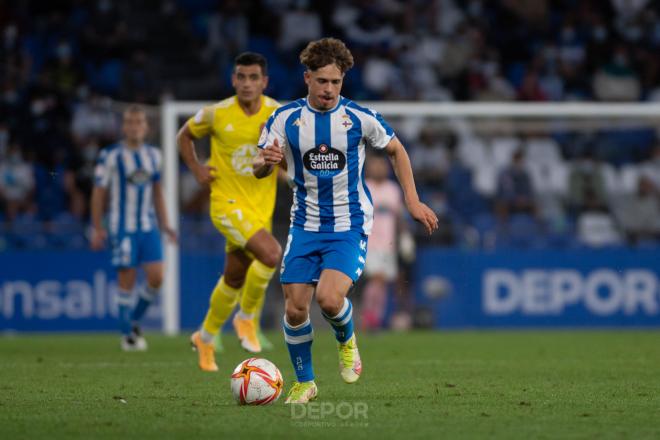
[155, 280]
[272, 257]
[328, 302]
[235, 281]
[296, 314]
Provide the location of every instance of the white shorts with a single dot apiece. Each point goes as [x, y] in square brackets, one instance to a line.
[381, 263]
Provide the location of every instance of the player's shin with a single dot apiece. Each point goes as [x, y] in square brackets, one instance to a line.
[256, 282]
[124, 311]
[146, 297]
[342, 322]
[299, 340]
[222, 304]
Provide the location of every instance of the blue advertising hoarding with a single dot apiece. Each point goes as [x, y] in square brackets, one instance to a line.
[540, 288]
[44, 291]
[75, 291]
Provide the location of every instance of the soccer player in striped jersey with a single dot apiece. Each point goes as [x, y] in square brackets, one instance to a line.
[321, 140]
[241, 206]
[129, 174]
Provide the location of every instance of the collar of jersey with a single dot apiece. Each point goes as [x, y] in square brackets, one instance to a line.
[332, 110]
[125, 147]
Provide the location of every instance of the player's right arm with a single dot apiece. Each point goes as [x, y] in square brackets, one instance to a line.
[102, 176]
[198, 126]
[271, 143]
[264, 162]
[99, 233]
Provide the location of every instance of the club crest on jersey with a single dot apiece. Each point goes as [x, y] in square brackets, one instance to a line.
[241, 159]
[139, 177]
[324, 161]
[346, 123]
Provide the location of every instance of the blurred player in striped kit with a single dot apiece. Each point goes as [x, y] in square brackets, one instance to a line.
[129, 174]
[321, 140]
[241, 205]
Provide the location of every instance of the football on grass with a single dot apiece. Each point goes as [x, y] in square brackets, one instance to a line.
[256, 381]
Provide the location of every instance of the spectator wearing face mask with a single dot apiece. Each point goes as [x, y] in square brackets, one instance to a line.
[617, 80]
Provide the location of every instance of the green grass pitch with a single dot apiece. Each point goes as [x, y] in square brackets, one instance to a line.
[509, 385]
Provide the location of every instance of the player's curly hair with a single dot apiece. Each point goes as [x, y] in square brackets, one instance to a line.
[326, 51]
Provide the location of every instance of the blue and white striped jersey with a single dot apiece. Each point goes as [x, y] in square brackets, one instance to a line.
[325, 154]
[129, 175]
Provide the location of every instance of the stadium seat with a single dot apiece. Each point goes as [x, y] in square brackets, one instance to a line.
[66, 231]
[485, 179]
[502, 149]
[542, 150]
[486, 227]
[628, 177]
[549, 178]
[598, 229]
[611, 178]
[472, 152]
[621, 146]
[26, 231]
[523, 231]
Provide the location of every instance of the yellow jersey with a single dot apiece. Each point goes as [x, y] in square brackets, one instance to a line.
[234, 137]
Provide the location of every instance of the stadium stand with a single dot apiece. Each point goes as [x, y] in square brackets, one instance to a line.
[66, 64]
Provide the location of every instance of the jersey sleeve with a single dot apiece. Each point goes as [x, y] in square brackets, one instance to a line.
[201, 124]
[274, 129]
[378, 132]
[103, 170]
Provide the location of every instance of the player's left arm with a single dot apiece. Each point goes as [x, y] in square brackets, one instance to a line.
[406, 242]
[161, 212]
[403, 170]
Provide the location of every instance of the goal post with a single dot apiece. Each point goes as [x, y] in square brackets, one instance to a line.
[172, 112]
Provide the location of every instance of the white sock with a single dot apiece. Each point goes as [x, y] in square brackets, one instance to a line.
[207, 337]
[242, 315]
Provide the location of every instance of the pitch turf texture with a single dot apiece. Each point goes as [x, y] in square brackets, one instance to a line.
[590, 385]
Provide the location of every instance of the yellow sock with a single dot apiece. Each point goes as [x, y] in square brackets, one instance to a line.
[256, 282]
[257, 311]
[222, 303]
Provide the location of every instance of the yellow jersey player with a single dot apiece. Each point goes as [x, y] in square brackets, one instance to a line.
[241, 205]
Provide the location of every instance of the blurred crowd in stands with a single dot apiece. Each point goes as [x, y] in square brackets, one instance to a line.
[66, 63]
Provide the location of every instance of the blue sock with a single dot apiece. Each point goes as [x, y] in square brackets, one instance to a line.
[299, 342]
[342, 323]
[146, 297]
[124, 309]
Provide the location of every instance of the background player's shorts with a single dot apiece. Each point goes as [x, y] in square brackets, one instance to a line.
[308, 253]
[131, 250]
[381, 263]
[237, 223]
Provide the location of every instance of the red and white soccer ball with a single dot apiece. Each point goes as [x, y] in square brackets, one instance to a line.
[256, 381]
